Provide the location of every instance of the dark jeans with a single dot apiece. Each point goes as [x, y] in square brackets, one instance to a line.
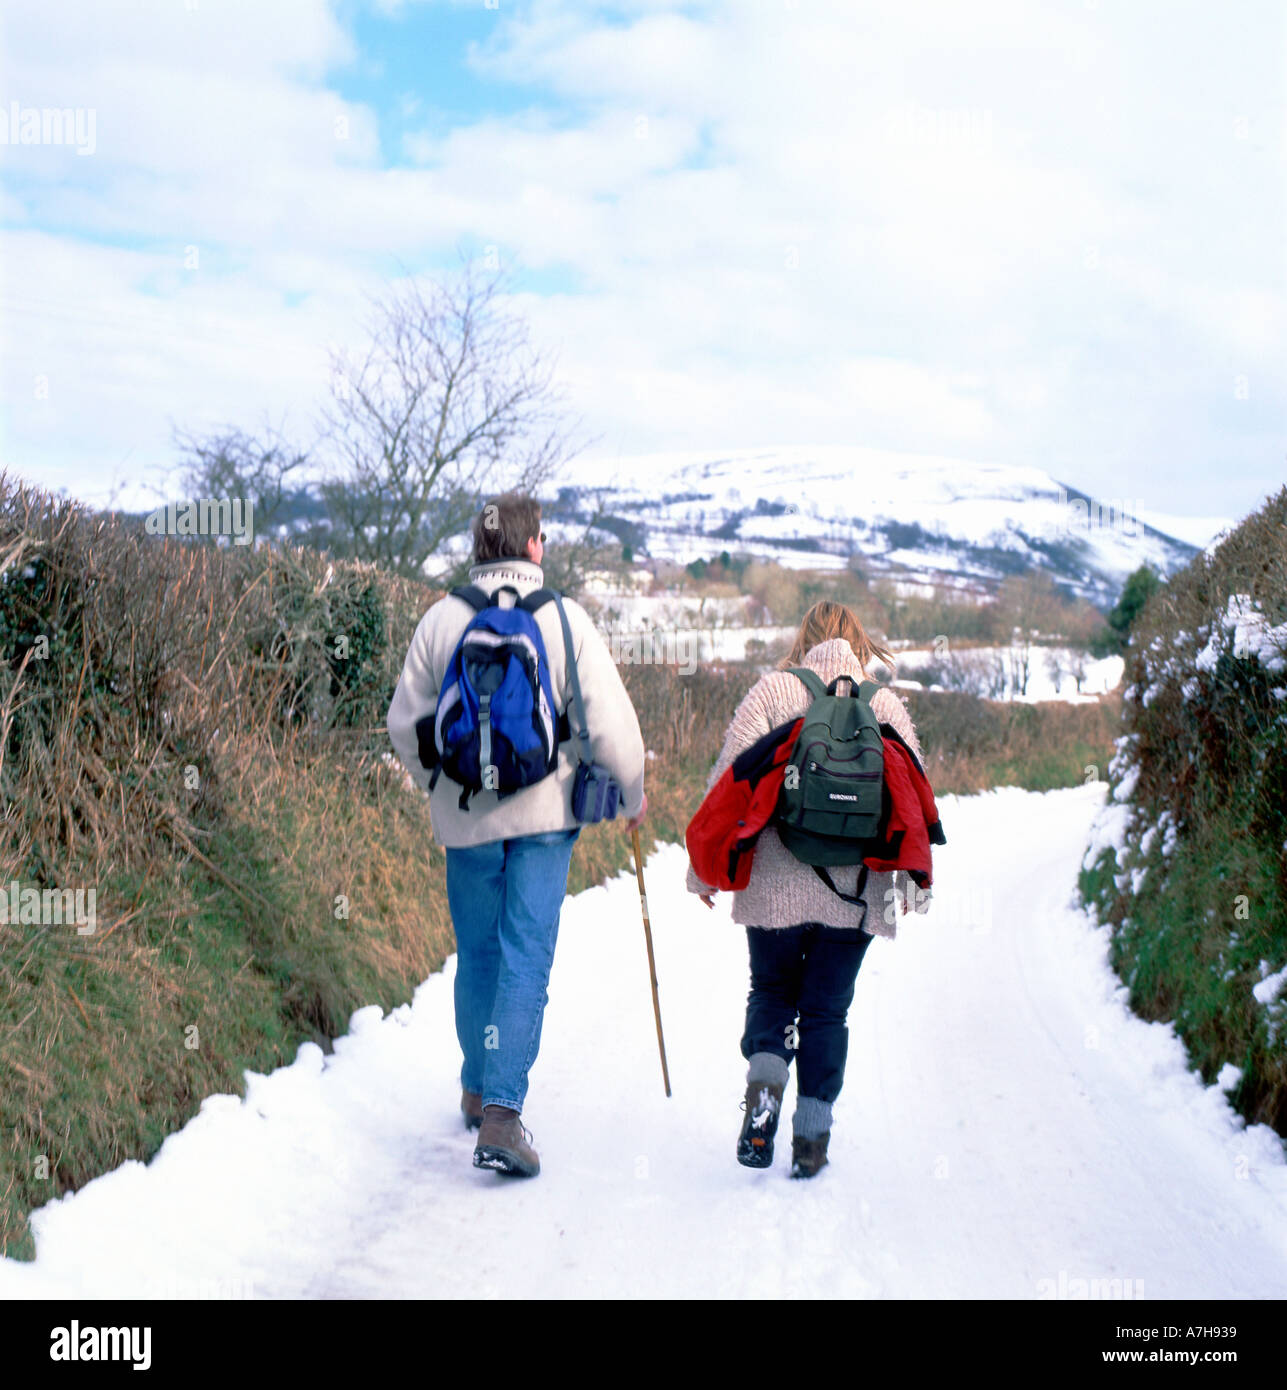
[807, 973]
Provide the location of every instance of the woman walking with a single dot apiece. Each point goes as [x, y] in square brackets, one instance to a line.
[806, 942]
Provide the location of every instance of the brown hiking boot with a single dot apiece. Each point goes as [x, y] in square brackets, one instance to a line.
[763, 1105]
[503, 1144]
[808, 1156]
[471, 1107]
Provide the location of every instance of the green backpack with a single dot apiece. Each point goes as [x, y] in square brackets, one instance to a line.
[826, 812]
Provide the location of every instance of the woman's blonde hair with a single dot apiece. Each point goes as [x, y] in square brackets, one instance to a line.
[828, 619]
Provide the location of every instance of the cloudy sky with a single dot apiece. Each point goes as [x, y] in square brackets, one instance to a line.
[1047, 232]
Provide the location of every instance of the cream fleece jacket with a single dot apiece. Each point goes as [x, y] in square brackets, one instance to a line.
[783, 892]
[610, 717]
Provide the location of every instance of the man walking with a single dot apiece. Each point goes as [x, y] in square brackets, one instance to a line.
[507, 858]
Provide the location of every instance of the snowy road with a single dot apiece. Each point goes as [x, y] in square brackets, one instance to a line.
[1007, 1129]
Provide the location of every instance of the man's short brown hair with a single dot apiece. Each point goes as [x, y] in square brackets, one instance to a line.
[504, 526]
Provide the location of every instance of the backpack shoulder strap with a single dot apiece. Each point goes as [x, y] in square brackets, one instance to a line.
[812, 681]
[583, 747]
[858, 690]
[537, 599]
[856, 897]
[472, 595]
[532, 602]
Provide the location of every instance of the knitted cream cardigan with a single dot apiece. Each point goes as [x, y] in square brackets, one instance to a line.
[782, 891]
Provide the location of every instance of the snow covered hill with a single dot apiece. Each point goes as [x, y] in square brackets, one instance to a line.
[919, 518]
[1007, 1129]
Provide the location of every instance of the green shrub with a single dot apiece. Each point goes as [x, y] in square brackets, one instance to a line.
[1195, 892]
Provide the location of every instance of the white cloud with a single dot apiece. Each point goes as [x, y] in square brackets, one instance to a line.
[1037, 232]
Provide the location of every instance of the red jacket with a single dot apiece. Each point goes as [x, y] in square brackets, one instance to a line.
[721, 836]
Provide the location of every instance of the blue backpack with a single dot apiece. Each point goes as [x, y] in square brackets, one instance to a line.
[496, 705]
[496, 708]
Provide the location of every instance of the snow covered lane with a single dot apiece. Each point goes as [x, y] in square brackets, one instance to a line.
[1007, 1128]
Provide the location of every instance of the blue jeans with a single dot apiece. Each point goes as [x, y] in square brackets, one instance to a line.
[505, 898]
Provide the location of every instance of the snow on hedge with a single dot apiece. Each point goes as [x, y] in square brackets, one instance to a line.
[1253, 637]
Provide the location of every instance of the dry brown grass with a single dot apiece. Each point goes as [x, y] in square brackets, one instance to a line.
[971, 745]
[176, 734]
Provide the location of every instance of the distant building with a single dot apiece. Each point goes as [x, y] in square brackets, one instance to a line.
[636, 580]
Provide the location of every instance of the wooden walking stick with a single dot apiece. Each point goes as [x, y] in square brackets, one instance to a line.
[652, 964]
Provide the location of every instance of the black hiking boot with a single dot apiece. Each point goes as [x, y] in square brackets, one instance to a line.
[763, 1105]
[504, 1144]
[808, 1156]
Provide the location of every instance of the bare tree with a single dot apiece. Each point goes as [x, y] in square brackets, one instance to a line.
[567, 563]
[1057, 666]
[1079, 667]
[232, 463]
[448, 402]
[1029, 602]
[1018, 661]
[980, 673]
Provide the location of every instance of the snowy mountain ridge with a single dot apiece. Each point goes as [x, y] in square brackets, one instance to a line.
[913, 517]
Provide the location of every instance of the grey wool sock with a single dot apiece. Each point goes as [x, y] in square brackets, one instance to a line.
[812, 1117]
[767, 1067]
